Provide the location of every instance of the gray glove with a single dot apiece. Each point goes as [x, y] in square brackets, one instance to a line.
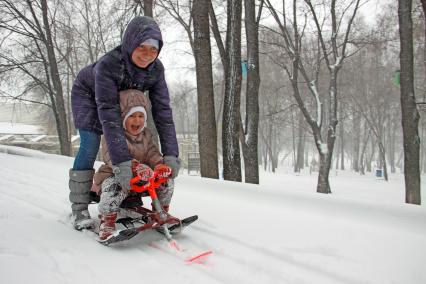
[174, 163]
[123, 173]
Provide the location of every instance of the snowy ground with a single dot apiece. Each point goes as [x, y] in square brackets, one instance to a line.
[279, 232]
[19, 128]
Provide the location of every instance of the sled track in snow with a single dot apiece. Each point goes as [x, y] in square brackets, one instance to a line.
[34, 206]
[254, 264]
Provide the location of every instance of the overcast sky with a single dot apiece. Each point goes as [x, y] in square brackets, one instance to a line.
[179, 61]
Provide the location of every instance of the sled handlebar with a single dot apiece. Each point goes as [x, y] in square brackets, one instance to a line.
[154, 182]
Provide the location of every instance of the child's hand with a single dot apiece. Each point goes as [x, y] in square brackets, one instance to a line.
[163, 171]
[144, 172]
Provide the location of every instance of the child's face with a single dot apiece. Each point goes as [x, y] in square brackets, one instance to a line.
[144, 55]
[135, 122]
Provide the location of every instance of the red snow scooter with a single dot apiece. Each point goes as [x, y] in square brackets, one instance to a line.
[145, 183]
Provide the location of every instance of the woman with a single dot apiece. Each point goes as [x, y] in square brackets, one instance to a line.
[132, 65]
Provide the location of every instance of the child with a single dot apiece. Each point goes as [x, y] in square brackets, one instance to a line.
[94, 97]
[143, 150]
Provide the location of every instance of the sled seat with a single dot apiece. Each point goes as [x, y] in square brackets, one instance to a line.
[134, 199]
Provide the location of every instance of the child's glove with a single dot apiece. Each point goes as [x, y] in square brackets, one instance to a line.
[174, 163]
[123, 173]
[144, 172]
[163, 171]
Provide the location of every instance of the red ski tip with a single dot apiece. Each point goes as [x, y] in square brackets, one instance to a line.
[200, 258]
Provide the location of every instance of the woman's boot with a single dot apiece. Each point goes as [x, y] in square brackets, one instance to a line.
[80, 183]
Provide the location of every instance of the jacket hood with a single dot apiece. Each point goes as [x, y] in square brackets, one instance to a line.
[138, 30]
[132, 98]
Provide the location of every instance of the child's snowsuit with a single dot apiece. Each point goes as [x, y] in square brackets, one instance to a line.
[142, 149]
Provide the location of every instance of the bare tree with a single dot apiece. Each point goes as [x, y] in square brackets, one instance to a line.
[301, 139]
[181, 11]
[183, 98]
[29, 21]
[410, 115]
[249, 135]
[276, 108]
[231, 110]
[333, 52]
[356, 131]
[207, 134]
[222, 54]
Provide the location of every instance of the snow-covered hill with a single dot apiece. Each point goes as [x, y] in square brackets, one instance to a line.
[278, 232]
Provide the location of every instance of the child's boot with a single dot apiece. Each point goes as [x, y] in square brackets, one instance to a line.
[107, 227]
[80, 183]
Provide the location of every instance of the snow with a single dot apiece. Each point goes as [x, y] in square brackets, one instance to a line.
[279, 232]
[19, 128]
[338, 62]
[323, 147]
[315, 93]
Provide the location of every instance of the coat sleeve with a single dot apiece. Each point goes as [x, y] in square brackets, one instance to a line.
[105, 154]
[163, 117]
[107, 100]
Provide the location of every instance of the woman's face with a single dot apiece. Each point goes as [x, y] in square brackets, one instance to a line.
[144, 55]
[135, 122]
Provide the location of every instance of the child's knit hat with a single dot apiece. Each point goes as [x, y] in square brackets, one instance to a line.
[131, 101]
[132, 111]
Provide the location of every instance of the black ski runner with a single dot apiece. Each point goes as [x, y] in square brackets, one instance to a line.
[177, 228]
[128, 233]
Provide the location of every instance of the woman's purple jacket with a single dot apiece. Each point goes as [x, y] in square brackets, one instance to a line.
[95, 99]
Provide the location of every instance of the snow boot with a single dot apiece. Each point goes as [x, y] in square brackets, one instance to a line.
[80, 183]
[107, 227]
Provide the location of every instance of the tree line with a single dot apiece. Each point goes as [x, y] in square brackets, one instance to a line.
[317, 84]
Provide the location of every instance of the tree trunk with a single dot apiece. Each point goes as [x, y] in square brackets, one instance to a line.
[58, 103]
[148, 11]
[217, 36]
[337, 154]
[300, 145]
[323, 185]
[382, 155]
[207, 135]
[326, 154]
[362, 155]
[147, 8]
[306, 155]
[372, 154]
[423, 148]
[250, 143]
[356, 131]
[424, 157]
[410, 115]
[392, 131]
[424, 45]
[342, 146]
[231, 110]
[293, 140]
[265, 158]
